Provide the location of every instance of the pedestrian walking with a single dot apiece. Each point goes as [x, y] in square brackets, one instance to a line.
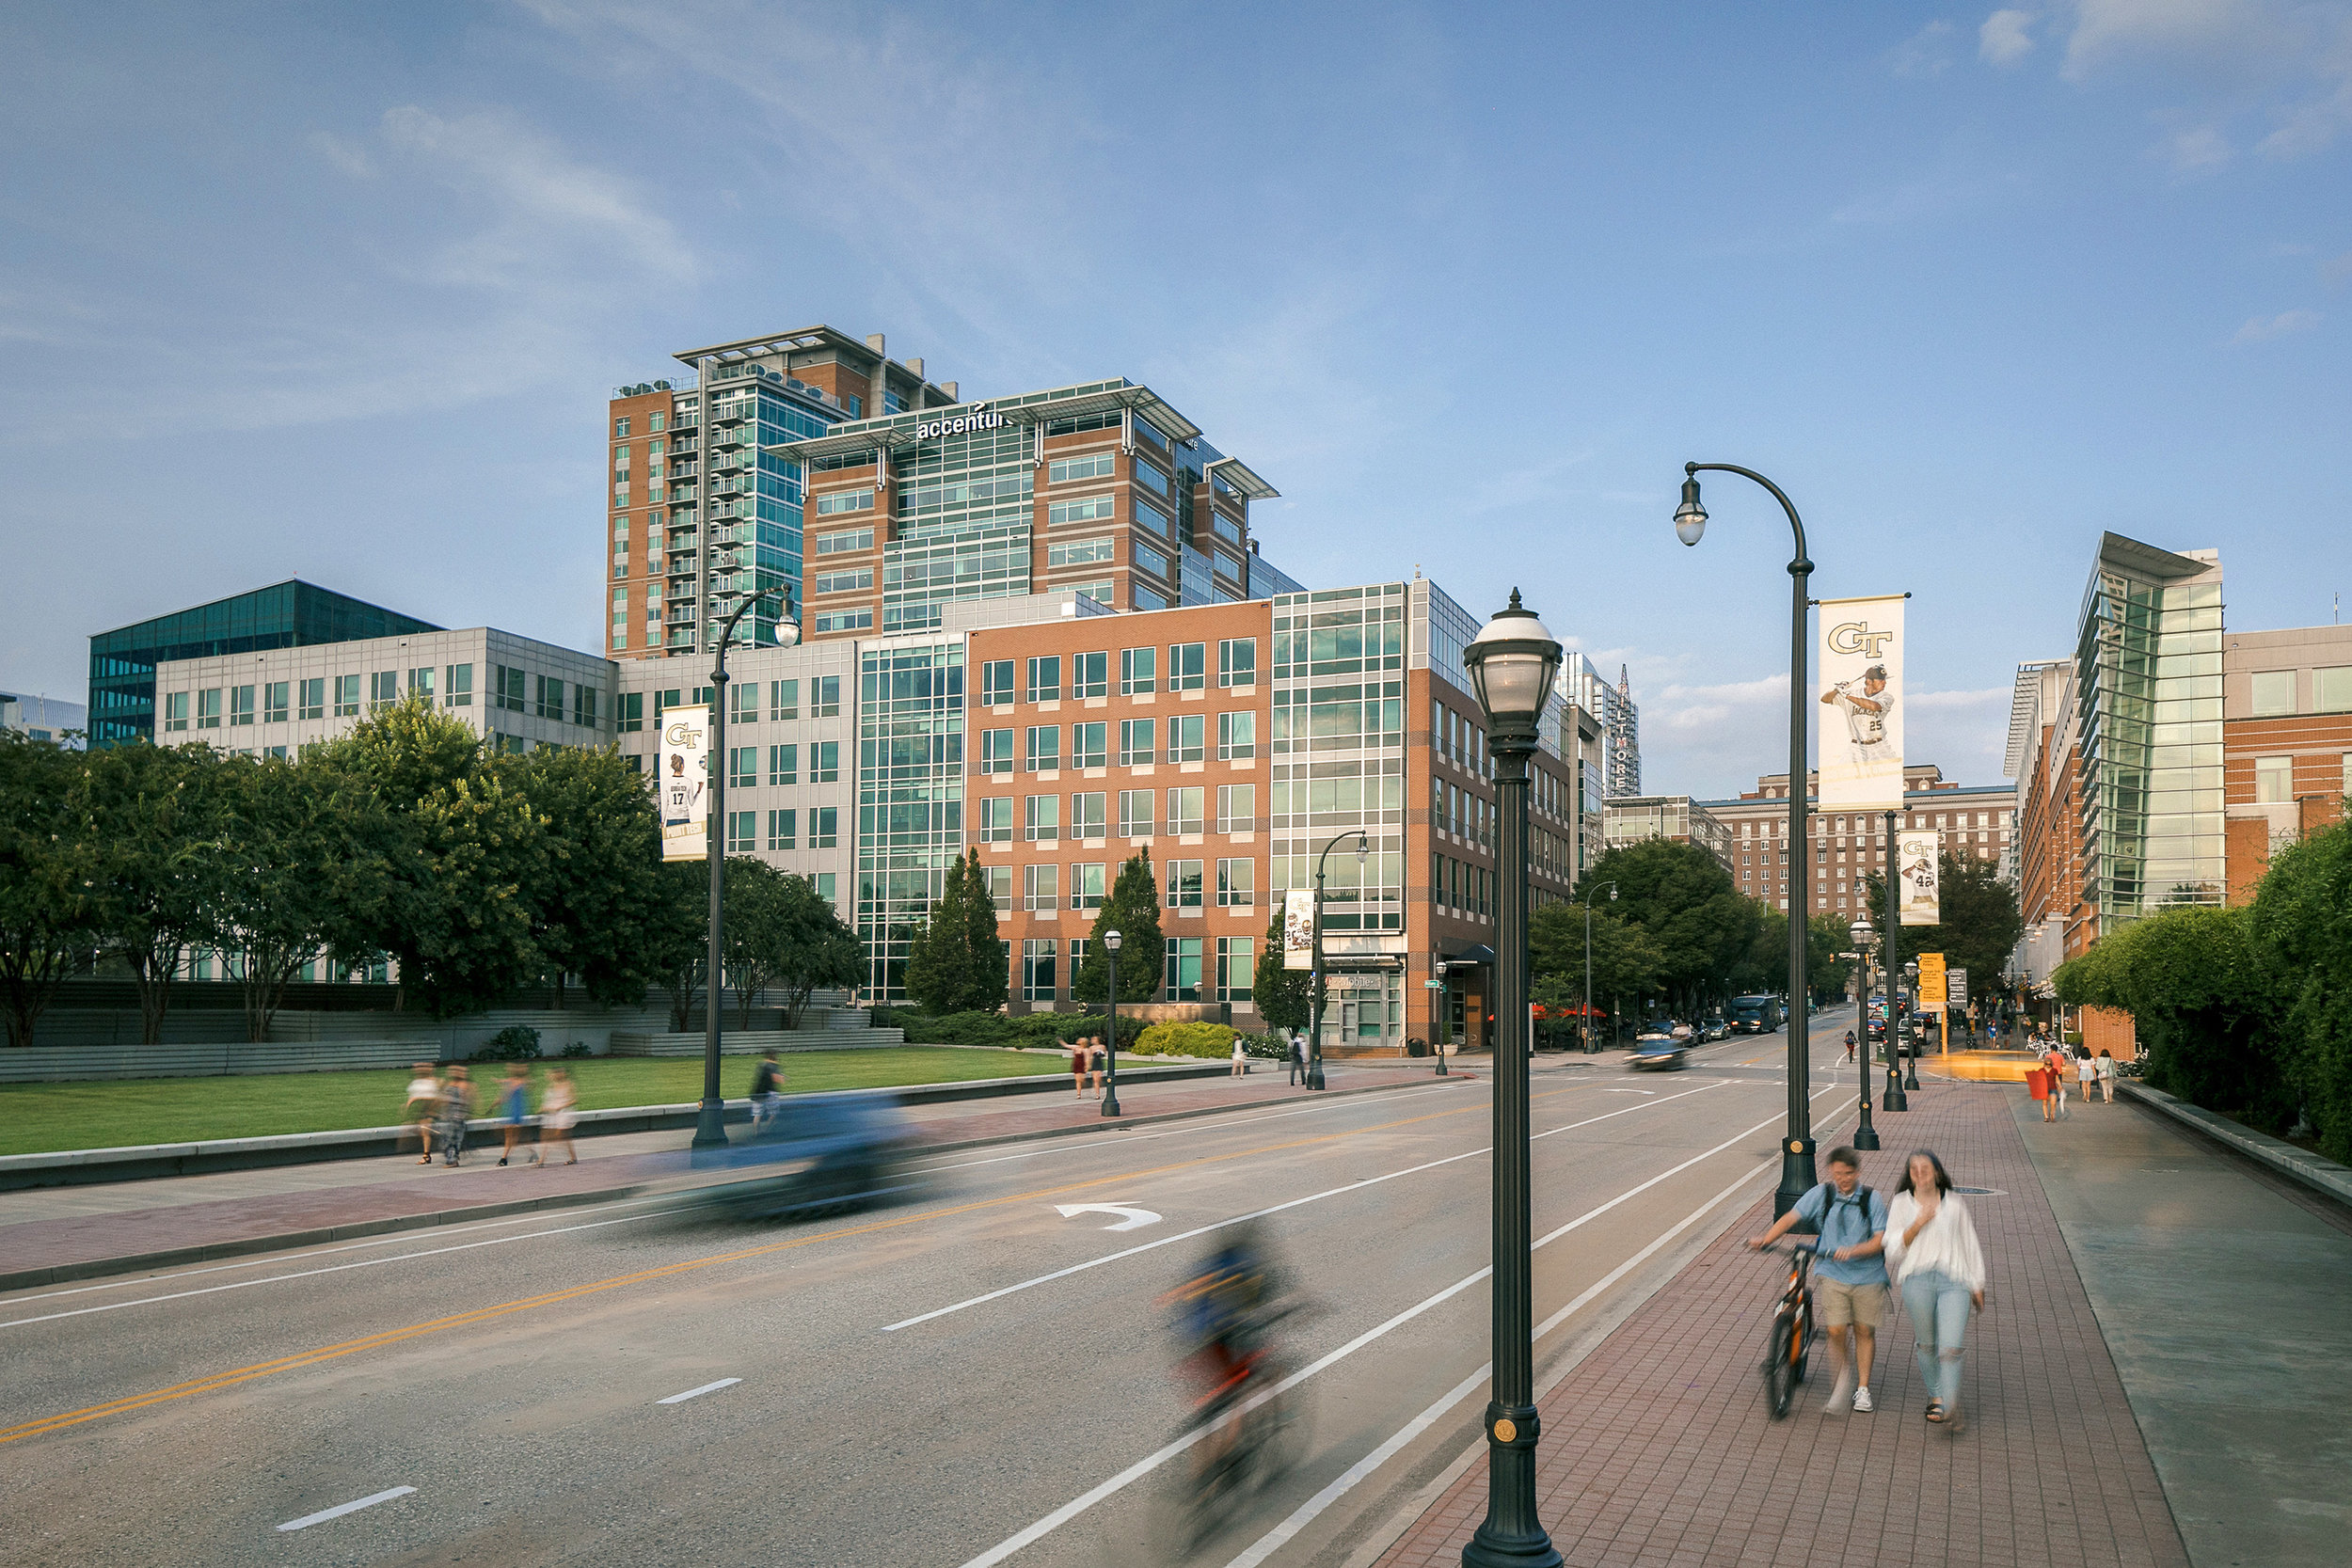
[452, 1108]
[1852, 1219]
[1097, 1060]
[1297, 1054]
[1241, 1058]
[2086, 1075]
[2056, 1064]
[2037, 1080]
[425, 1096]
[2106, 1077]
[515, 1111]
[558, 1110]
[766, 1091]
[1932, 1251]
[1079, 1056]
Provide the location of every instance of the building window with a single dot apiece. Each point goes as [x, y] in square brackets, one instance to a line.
[2274, 692]
[1236, 883]
[584, 706]
[742, 767]
[1041, 887]
[1081, 552]
[551, 697]
[1041, 818]
[1236, 968]
[1044, 748]
[743, 831]
[1086, 815]
[843, 582]
[824, 762]
[208, 708]
[996, 816]
[1139, 671]
[1184, 810]
[1044, 683]
[1236, 735]
[1183, 884]
[1038, 955]
[1181, 980]
[1146, 559]
[313, 698]
[784, 699]
[784, 764]
[620, 426]
[2331, 689]
[1136, 745]
[847, 500]
[1237, 661]
[1145, 516]
[1090, 509]
[1089, 745]
[628, 709]
[1136, 812]
[744, 709]
[824, 827]
[1185, 732]
[240, 705]
[273, 702]
[1085, 886]
[457, 685]
[997, 754]
[1187, 666]
[1090, 675]
[1064, 470]
[1236, 808]
[824, 697]
[996, 683]
[783, 828]
[508, 685]
[847, 542]
[176, 711]
[1150, 478]
[2274, 780]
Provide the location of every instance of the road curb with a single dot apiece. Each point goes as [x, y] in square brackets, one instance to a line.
[99, 1268]
[2315, 1171]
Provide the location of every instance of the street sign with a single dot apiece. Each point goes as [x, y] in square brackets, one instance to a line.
[1932, 982]
[1432, 985]
[1956, 980]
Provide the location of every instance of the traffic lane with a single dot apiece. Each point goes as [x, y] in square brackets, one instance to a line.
[416, 1379]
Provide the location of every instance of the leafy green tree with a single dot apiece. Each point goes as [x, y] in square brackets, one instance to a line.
[2302, 923]
[677, 935]
[459, 846]
[598, 849]
[823, 950]
[956, 960]
[1132, 909]
[151, 823]
[46, 934]
[299, 885]
[1626, 962]
[1284, 997]
[1979, 928]
[1681, 897]
[1826, 974]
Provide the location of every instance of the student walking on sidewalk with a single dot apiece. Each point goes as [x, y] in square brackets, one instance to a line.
[2037, 1080]
[1851, 1272]
[424, 1098]
[515, 1112]
[1079, 1055]
[1932, 1251]
[559, 1108]
[2106, 1077]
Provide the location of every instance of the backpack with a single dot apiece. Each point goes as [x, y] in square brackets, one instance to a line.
[1831, 1198]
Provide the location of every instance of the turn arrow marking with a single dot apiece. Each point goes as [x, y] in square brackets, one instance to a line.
[1135, 1218]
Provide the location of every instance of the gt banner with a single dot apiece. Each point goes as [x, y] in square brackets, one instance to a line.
[1931, 983]
[1920, 899]
[1298, 928]
[685, 791]
[1861, 749]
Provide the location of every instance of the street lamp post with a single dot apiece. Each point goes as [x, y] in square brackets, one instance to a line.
[1895, 1098]
[1317, 979]
[1796, 1145]
[1512, 663]
[1437, 1010]
[1588, 959]
[710, 1125]
[1865, 939]
[1111, 943]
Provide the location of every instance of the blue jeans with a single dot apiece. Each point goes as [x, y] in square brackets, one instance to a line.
[1938, 1306]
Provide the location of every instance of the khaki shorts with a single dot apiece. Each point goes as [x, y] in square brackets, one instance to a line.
[1843, 1303]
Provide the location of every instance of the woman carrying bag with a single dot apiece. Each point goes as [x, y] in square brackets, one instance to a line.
[1932, 1255]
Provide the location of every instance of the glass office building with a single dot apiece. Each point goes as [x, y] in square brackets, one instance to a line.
[910, 794]
[2148, 693]
[292, 615]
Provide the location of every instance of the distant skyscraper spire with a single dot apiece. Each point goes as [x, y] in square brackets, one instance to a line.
[1623, 775]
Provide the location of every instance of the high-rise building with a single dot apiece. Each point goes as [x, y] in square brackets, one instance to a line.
[38, 718]
[1971, 821]
[2286, 722]
[1624, 719]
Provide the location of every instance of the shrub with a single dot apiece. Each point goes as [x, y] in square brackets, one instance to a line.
[1186, 1040]
[517, 1042]
[976, 1028]
[578, 1047]
[1268, 1048]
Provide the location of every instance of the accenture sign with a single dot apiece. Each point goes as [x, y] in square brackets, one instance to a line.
[981, 418]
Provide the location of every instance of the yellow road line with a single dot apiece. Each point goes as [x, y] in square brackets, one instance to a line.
[396, 1335]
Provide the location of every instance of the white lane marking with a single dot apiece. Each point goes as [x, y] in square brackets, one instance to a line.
[698, 1393]
[1306, 1511]
[1253, 1214]
[340, 1509]
[1144, 1467]
[1628, 1091]
[1131, 1218]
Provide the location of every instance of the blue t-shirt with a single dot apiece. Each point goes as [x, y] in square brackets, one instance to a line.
[1844, 1226]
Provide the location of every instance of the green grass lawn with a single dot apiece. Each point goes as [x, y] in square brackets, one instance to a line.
[36, 1118]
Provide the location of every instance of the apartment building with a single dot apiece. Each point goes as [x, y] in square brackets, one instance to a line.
[2286, 724]
[1972, 821]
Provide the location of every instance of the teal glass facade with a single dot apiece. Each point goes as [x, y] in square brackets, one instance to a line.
[910, 795]
[754, 506]
[292, 615]
[963, 527]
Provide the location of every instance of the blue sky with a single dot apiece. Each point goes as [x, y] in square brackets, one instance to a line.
[340, 292]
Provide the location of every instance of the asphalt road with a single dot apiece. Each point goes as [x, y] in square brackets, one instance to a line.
[969, 1379]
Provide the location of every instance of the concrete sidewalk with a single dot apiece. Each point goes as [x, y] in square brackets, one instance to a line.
[54, 1234]
[1657, 1447]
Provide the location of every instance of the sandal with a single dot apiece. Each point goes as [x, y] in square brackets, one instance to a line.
[1935, 1411]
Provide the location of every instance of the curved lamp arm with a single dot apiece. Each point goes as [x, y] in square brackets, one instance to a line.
[1795, 523]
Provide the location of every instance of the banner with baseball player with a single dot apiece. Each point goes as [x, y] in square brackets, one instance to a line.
[1919, 896]
[1861, 751]
[684, 791]
[1298, 928]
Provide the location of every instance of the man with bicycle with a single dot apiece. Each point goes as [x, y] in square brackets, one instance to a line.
[1852, 1219]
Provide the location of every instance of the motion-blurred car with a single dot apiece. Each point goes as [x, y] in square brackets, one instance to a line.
[1660, 1053]
[815, 1154]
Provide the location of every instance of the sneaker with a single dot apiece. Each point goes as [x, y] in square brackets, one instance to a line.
[1839, 1395]
[1862, 1401]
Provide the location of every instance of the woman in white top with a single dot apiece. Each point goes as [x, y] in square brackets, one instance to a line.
[1241, 1061]
[1932, 1255]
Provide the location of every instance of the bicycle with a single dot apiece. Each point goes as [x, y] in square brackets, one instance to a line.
[1789, 1348]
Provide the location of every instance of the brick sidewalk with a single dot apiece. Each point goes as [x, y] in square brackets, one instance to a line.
[1658, 1450]
[342, 1198]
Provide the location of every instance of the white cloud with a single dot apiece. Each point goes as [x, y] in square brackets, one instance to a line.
[1927, 52]
[2339, 269]
[2291, 61]
[347, 156]
[2197, 151]
[2287, 322]
[2002, 39]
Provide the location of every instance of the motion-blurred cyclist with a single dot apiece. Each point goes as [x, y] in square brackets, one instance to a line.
[1226, 1313]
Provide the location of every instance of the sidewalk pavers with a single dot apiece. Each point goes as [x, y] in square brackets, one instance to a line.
[1658, 1449]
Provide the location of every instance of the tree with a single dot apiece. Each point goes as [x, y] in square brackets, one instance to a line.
[956, 960]
[2302, 924]
[677, 935]
[1626, 961]
[1283, 996]
[45, 930]
[299, 887]
[599, 850]
[458, 847]
[823, 950]
[1133, 909]
[1979, 927]
[1685, 902]
[150, 821]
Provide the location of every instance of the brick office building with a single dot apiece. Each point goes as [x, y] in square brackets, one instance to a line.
[2286, 731]
[1974, 821]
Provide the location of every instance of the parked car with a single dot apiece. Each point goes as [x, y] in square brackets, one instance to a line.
[1716, 1028]
[1660, 1053]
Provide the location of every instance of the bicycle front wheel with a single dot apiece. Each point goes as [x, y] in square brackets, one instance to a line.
[1780, 1367]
